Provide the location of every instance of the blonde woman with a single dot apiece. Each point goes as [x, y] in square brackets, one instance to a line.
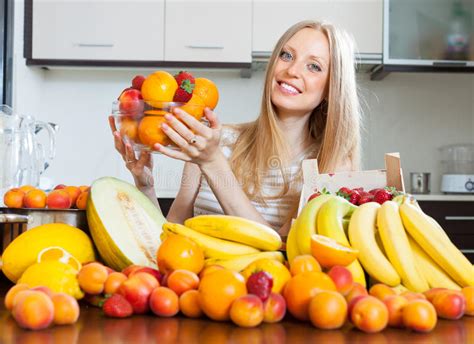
[309, 109]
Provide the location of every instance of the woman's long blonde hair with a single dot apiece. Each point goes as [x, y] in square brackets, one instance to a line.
[333, 125]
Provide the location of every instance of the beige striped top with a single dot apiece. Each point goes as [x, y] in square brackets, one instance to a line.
[275, 211]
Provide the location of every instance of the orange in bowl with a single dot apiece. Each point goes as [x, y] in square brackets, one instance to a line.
[159, 86]
[328, 252]
[207, 91]
[150, 132]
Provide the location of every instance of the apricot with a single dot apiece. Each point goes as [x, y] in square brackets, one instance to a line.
[182, 280]
[189, 304]
[449, 305]
[58, 199]
[274, 308]
[328, 310]
[147, 279]
[164, 302]
[129, 269]
[129, 128]
[35, 198]
[352, 303]
[357, 289]
[304, 263]
[81, 202]
[430, 294]
[33, 310]
[247, 311]
[137, 290]
[410, 295]
[44, 289]
[66, 309]
[468, 293]
[113, 282]
[74, 193]
[342, 278]
[12, 292]
[370, 315]
[419, 315]
[26, 188]
[381, 291]
[92, 278]
[13, 198]
[395, 304]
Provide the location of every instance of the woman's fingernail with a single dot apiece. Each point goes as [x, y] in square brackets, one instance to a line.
[164, 126]
[168, 117]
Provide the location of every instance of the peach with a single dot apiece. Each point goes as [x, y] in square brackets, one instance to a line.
[410, 295]
[352, 303]
[13, 198]
[328, 310]
[35, 198]
[357, 289]
[247, 311]
[468, 293]
[59, 199]
[34, 310]
[44, 289]
[189, 304]
[154, 272]
[395, 304]
[381, 291]
[92, 278]
[430, 294]
[113, 282]
[419, 315]
[182, 280]
[66, 309]
[74, 193]
[164, 302]
[146, 278]
[449, 305]
[370, 315]
[59, 187]
[137, 291]
[274, 308]
[342, 278]
[131, 102]
[12, 292]
[129, 269]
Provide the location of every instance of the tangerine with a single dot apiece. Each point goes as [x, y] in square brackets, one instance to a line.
[217, 292]
[159, 86]
[179, 252]
[150, 132]
[300, 289]
[207, 91]
[328, 252]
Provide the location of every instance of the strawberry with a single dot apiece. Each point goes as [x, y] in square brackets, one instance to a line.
[354, 197]
[365, 199]
[117, 306]
[186, 85]
[316, 194]
[344, 190]
[260, 283]
[374, 191]
[137, 82]
[382, 195]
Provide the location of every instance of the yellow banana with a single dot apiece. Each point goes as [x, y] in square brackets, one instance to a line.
[291, 245]
[306, 222]
[330, 223]
[437, 245]
[435, 276]
[212, 247]
[240, 263]
[395, 242]
[236, 229]
[362, 229]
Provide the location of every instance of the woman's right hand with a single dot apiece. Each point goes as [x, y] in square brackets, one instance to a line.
[140, 168]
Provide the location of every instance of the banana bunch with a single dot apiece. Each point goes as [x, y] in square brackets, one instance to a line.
[239, 263]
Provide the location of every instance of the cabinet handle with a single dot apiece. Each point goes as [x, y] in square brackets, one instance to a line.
[216, 47]
[459, 218]
[467, 251]
[92, 45]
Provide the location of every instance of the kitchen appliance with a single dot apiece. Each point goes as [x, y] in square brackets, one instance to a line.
[420, 182]
[23, 156]
[458, 168]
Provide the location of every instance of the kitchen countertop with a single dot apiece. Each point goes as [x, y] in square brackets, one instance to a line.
[94, 328]
[445, 197]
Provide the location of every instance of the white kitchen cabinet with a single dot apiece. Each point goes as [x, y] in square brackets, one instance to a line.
[112, 30]
[208, 31]
[361, 18]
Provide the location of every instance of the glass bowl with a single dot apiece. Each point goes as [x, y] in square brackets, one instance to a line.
[139, 122]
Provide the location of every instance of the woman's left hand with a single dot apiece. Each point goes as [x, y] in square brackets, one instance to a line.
[198, 143]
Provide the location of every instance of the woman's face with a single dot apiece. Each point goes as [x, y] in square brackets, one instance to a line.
[301, 73]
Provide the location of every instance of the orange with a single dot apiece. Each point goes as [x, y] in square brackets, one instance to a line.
[179, 252]
[149, 131]
[194, 106]
[207, 91]
[159, 86]
[304, 263]
[277, 270]
[328, 310]
[328, 252]
[300, 289]
[218, 290]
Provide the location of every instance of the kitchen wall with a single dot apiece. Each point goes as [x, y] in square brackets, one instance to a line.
[413, 114]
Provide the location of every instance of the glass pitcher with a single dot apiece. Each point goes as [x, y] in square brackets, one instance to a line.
[22, 157]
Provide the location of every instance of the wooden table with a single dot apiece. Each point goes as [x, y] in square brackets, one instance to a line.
[94, 328]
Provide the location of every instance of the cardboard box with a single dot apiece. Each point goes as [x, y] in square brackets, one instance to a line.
[392, 175]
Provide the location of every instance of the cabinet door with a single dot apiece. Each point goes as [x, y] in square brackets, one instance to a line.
[361, 18]
[98, 30]
[208, 31]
